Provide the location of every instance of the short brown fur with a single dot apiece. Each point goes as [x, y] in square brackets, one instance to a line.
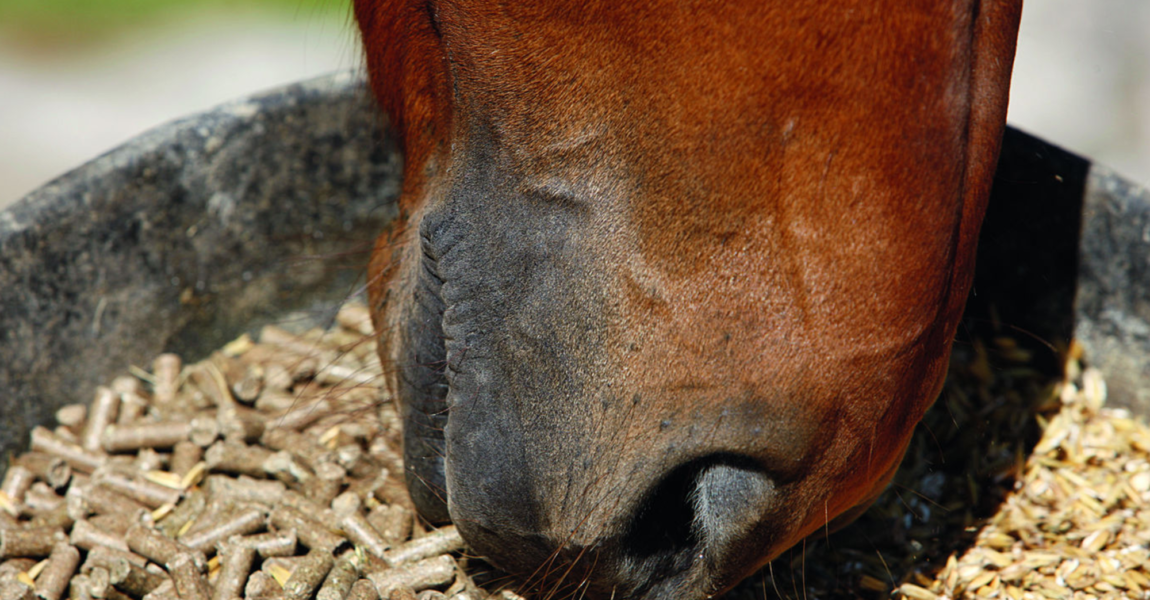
[778, 204]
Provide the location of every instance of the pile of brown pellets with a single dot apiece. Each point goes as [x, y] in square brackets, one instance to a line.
[268, 471]
[271, 470]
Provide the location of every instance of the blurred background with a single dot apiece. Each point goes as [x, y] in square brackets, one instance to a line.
[79, 77]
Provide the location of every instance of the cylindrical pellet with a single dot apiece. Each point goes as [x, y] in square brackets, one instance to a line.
[301, 415]
[237, 458]
[363, 589]
[56, 518]
[188, 577]
[358, 464]
[80, 588]
[245, 489]
[283, 465]
[88, 536]
[62, 563]
[185, 511]
[148, 459]
[247, 387]
[11, 585]
[97, 578]
[431, 572]
[133, 436]
[339, 579]
[165, 591]
[115, 523]
[152, 495]
[49, 469]
[29, 542]
[274, 398]
[393, 491]
[380, 449]
[281, 567]
[66, 435]
[16, 590]
[278, 543]
[140, 581]
[240, 522]
[301, 445]
[246, 426]
[133, 402]
[435, 543]
[235, 566]
[305, 505]
[325, 486]
[72, 416]
[216, 509]
[79, 459]
[14, 566]
[126, 384]
[123, 572]
[357, 318]
[361, 533]
[185, 455]
[102, 555]
[76, 500]
[431, 595]
[146, 542]
[132, 408]
[392, 521]
[204, 431]
[209, 380]
[16, 482]
[312, 533]
[101, 498]
[345, 504]
[42, 497]
[308, 575]
[101, 414]
[262, 586]
[166, 370]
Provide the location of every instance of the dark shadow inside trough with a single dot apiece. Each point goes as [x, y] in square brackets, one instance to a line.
[264, 210]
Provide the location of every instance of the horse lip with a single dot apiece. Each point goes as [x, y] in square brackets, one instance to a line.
[421, 391]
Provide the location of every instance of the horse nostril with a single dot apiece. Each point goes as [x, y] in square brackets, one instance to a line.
[705, 508]
[733, 499]
[664, 525]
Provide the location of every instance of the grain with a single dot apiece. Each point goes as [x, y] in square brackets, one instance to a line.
[1012, 489]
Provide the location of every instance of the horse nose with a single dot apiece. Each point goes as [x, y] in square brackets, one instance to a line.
[651, 543]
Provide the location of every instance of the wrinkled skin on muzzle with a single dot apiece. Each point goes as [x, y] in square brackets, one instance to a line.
[674, 284]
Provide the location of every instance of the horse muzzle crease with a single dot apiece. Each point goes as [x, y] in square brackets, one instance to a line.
[674, 285]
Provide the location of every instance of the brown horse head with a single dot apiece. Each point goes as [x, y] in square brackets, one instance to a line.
[675, 280]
